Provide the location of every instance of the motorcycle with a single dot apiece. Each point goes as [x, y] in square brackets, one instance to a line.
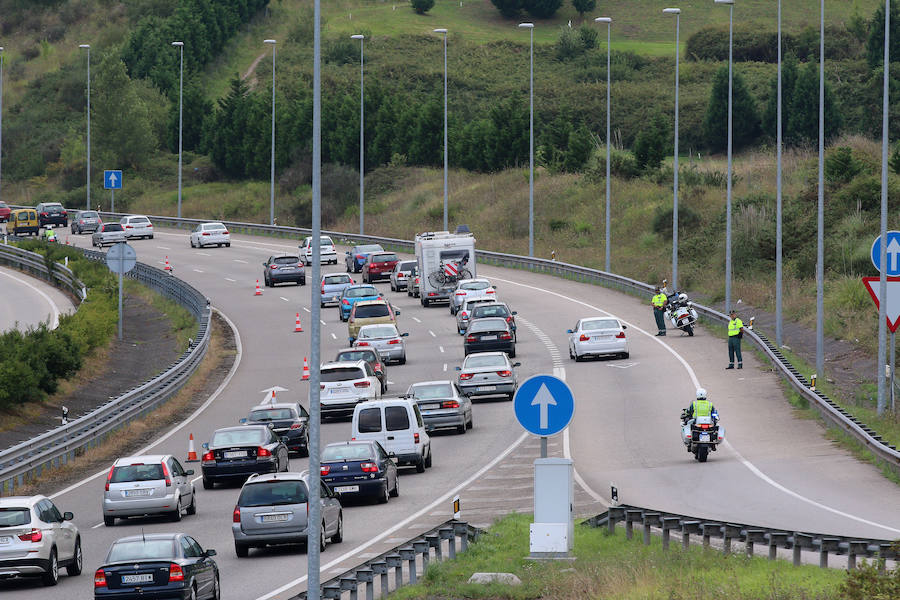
[681, 312]
[701, 435]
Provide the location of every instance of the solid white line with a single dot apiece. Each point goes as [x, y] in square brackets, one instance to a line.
[97, 525]
[445, 367]
[442, 498]
[237, 260]
[197, 271]
[441, 348]
[230, 279]
[163, 247]
[54, 310]
[432, 333]
[194, 415]
[283, 298]
[416, 319]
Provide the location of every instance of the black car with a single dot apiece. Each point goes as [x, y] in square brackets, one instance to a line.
[371, 356]
[492, 333]
[238, 452]
[289, 420]
[157, 565]
[52, 213]
[281, 268]
[495, 309]
[360, 468]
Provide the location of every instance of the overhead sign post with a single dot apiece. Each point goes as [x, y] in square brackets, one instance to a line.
[120, 259]
[112, 181]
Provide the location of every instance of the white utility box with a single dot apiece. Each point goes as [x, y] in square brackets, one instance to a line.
[553, 530]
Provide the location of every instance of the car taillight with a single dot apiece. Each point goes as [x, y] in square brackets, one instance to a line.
[64, 213]
[236, 515]
[166, 474]
[584, 337]
[362, 384]
[324, 470]
[509, 319]
[273, 267]
[129, 227]
[296, 425]
[449, 404]
[175, 573]
[395, 341]
[621, 335]
[260, 451]
[43, 214]
[205, 233]
[223, 233]
[504, 373]
[109, 476]
[34, 535]
[505, 336]
[322, 386]
[100, 579]
[323, 287]
[704, 426]
[460, 293]
[362, 343]
[416, 438]
[150, 225]
[345, 301]
[369, 467]
[470, 338]
[464, 315]
[378, 367]
[399, 275]
[490, 292]
[360, 256]
[417, 280]
[209, 457]
[466, 376]
[432, 293]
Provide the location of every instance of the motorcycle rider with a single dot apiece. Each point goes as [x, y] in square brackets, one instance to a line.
[701, 407]
[49, 234]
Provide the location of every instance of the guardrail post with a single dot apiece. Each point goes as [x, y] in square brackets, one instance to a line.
[461, 528]
[446, 533]
[409, 554]
[650, 520]
[395, 561]
[777, 539]
[631, 515]
[434, 541]
[331, 592]
[754, 536]
[687, 528]
[668, 523]
[827, 545]
[801, 540]
[886, 552]
[709, 530]
[421, 547]
[614, 515]
[367, 576]
[854, 548]
[380, 568]
[730, 531]
[349, 584]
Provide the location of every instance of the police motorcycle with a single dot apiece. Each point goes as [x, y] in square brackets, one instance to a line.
[701, 435]
[681, 312]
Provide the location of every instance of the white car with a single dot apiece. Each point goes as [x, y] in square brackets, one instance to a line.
[471, 288]
[137, 226]
[598, 336]
[148, 485]
[210, 234]
[36, 539]
[327, 253]
[345, 384]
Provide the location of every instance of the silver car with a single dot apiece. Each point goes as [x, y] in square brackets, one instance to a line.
[148, 485]
[471, 288]
[36, 539]
[465, 312]
[137, 226]
[598, 336]
[85, 220]
[108, 234]
[402, 273]
[386, 339]
[442, 405]
[273, 509]
[333, 284]
[488, 374]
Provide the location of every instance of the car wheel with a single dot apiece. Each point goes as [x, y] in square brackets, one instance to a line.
[192, 509]
[512, 352]
[471, 423]
[191, 242]
[109, 521]
[578, 358]
[338, 537]
[402, 360]
[150, 236]
[396, 491]
[208, 484]
[241, 550]
[303, 281]
[384, 495]
[323, 541]
[420, 466]
[77, 560]
[217, 591]
[227, 245]
[428, 458]
[461, 429]
[625, 355]
[176, 514]
[425, 302]
[51, 577]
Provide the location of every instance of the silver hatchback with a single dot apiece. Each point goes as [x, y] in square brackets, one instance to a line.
[108, 234]
[148, 485]
[333, 284]
[488, 374]
[274, 509]
[85, 220]
[385, 338]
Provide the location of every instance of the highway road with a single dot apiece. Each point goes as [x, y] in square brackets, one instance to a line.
[26, 301]
[776, 470]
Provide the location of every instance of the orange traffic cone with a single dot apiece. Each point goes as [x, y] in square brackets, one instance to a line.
[258, 291]
[192, 452]
[272, 400]
[297, 327]
[167, 268]
[305, 370]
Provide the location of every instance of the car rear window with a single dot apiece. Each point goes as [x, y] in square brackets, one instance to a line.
[369, 248]
[342, 374]
[3, 204]
[337, 279]
[354, 355]
[112, 227]
[273, 492]
[490, 324]
[141, 550]
[599, 324]
[362, 292]
[271, 414]
[434, 390]
[489, 311]
[237, 437]
[371, 311]
[490, 360]
[214, 227]
[89, 215]
[381, 331]
[325, 241]
[53, 207]
[287, 260]
[139, 220]
[369, 420]
[384, 258]
[396, 418]
[14, 516]
[348, 452]
[475, 285]
[150, 472]
[407, 265]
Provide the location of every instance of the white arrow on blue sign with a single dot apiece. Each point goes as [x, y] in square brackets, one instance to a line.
[893, 254]
[544, 405]
[112, 180]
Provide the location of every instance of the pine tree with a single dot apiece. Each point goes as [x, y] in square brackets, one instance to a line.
[745, 118]
[788, 80]
[802, 126]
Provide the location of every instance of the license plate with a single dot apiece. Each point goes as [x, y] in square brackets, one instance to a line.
[430, 406]
[488, 337]
[274, 518]
[5, 539]
[487, 388]
[236, 454]
[133, 493]
[286, 269]
[139, 578]
[343, 489]
[338, 392]
[704, 437]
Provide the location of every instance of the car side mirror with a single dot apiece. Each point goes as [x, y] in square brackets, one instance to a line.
[493, 287]
[209, 552]
[457, 368]
[284, 439]
[396, 311]
[406, 334]
[263, 264]
[347, 253]
[67, 516]
[352, 281]
[517, 364]
[205, 445]
[515, 312]
[569, 331]
[624, 326]
[243, 421]
[392, 455]
[189, 472]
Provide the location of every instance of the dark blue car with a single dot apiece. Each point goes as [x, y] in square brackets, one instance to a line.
[360, 468]
[356, 256]
[353, 294]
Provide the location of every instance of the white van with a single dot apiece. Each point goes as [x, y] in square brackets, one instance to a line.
[397, 425]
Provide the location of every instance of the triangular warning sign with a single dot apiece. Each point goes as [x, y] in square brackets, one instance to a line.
[892, 306]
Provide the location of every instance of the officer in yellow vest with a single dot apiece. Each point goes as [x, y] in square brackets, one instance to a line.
[735, 333]
[658, 302]
[701, 407]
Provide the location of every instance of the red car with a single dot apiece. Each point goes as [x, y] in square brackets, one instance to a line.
[379, 265]
[4, 212]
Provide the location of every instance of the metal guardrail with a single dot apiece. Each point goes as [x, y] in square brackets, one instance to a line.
[35, 264]
[59, 445]
[750, 535]
[411, 558]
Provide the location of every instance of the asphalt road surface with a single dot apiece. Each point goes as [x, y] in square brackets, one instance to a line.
[26, 301]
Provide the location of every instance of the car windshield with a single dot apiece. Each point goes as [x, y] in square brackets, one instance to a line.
[13, 517]
[354, 355]
[151, 472]
[599, 324]
[337, 279]
[286, 260]
[272, 414]
[348, 452]
[491, 324]
[112, 227]
[475, 285]
[371, 311]
[378, 331]
[342, 374]
[432, 390]
[495, 310]
[238, 437]
[384, 258]
[273, 493]
[362, 292]
[151, 549]
[488, 360]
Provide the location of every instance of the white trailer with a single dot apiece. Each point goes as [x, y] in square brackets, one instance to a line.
[443, 259]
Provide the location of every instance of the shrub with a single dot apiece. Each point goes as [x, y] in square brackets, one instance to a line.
[688, 220]
[422, 6]
[841, 166]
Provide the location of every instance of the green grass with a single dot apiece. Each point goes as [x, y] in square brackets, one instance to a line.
[613, 567]
[182, 323]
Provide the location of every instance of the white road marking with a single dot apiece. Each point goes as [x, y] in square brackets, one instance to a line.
[97, 525]
[322, 322]
[283, 298]
[441, 348]
[306, 309]
[416, 319]
[197, 271]
[625, 366]
[432, 333]
[230, 279]
[54, 310]
[237, 260]
[163, 247]
[445, 367]
[204, 254]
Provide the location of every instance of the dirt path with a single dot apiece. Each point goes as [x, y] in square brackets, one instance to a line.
[250, 75]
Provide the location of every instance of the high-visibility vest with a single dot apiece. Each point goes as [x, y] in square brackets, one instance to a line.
[659, 300]
[734, 327]
[702, 408]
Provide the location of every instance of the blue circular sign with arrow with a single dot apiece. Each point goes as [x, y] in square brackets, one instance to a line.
[892, 268]
[544, 405]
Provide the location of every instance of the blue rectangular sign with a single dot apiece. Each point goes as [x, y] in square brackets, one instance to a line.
[112, 180]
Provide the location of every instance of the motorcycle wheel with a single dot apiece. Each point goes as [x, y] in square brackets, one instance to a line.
[702, 453]
[690, 330]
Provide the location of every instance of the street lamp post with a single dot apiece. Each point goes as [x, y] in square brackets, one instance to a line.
[677, 13]
[608, 22]
[884, 394]
[444, 31]
[88, 169]
[530, 27]
[778, 203]
[1, 109]
[362, 143]
[730, 4]
[820, 219]
[180, 46]
[272, 160]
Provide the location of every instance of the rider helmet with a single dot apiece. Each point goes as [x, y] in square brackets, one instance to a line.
[701, 394]
[682, 297]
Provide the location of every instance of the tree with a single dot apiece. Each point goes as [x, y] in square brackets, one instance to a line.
[875, 43]
[508, 8]
[584, 6]
[745, 119]
[195, 110]
[541, 9]
[788, 80]
[226, 130]
[803, 117]
[652, 143]
[422, 6]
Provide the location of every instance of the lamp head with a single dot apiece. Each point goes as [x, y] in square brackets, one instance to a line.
[358, 36]
[526, 25]
[728, 2]
[444, 31]
[179, 44]
[88, 46]
[672, 11]
[602, 20]
[269, 42]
